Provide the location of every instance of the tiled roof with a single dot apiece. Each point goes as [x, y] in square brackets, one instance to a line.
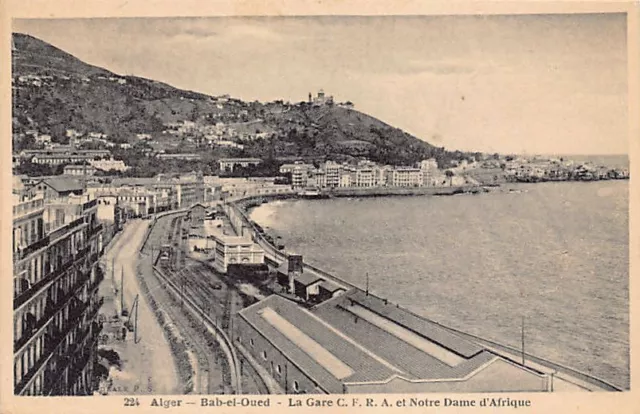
[63, 184]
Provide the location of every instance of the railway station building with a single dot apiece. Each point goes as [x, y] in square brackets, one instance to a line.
[357, 343]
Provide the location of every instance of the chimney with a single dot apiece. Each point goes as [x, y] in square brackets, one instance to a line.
[295, 269]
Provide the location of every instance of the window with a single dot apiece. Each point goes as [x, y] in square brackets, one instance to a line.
[296, 386]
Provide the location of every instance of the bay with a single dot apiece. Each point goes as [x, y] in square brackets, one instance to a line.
[553, 253]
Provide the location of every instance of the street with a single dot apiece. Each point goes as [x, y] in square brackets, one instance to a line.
[146, 366]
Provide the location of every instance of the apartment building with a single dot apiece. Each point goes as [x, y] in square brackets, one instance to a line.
[406, 177]
[346, 179]
[332, 174]
[56, 245]
[430, 172]
[365, 177]
[299, 176]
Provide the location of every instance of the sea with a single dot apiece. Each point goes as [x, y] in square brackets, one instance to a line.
[555, 254]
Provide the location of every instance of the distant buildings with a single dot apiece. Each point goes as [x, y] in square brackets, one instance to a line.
[229, 164]
[63, 155]
[406, 177]
[332, 173]
[109, 165]
[320, 99]
[81, 170]
[430, 172]
[179, 156]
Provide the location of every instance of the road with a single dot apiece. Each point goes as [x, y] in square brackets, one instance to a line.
[148, 364]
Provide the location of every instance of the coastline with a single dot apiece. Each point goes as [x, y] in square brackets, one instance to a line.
[246, 206]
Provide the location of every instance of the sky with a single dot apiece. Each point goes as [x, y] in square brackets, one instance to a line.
[537, 84]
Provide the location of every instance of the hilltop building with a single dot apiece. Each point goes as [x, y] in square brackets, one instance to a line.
[320, 99]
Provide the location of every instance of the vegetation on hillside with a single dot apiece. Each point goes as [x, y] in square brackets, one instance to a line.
[54, 91]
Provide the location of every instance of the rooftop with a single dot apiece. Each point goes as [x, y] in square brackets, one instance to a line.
[240, 160]
[63, 184]
[418, 347]
[356, 338]
[326, 355]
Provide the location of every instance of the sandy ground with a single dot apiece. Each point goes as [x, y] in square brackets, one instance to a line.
[147, 366]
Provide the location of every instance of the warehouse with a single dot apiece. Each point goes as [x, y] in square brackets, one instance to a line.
[357, 343]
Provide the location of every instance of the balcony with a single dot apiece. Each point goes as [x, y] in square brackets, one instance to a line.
[51, 347]
[27, 207]
[22, 253]
[27, 294]
[61, 231]
[90, 204]
[50, 312]
[77, 362]
[97, 229]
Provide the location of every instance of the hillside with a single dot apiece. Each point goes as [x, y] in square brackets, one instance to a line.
[53, 91]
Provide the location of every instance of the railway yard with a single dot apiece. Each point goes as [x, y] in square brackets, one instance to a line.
[200, 304]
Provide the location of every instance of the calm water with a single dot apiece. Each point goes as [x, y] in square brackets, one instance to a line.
[555, 253]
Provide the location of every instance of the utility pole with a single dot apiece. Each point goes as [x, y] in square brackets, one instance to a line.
[122, 289]
[181, 291]
[367, 289]
[286, 378]
[523, 362]
[135, 324]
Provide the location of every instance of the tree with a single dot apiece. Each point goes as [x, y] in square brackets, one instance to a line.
[450, 175]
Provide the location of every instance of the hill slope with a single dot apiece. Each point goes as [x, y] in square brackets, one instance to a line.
[53, 91]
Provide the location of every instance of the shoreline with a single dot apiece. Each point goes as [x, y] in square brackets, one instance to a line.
[246, 206]
[250, 202]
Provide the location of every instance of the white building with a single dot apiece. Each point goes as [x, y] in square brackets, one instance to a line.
[430, 172]
[345, 179]
[407, 177]
[299, 176]
[74, 169]
[235, 250]
[108, 165]
[332, 174]
[228, 164]
[43, 139]
[365, 177]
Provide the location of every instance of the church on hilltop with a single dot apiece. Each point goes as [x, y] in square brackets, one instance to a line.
[321, 99]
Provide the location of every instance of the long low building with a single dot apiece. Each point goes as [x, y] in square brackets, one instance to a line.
[357, 343]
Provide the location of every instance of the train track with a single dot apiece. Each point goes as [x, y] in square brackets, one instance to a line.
[193, 285]
[211, 364]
